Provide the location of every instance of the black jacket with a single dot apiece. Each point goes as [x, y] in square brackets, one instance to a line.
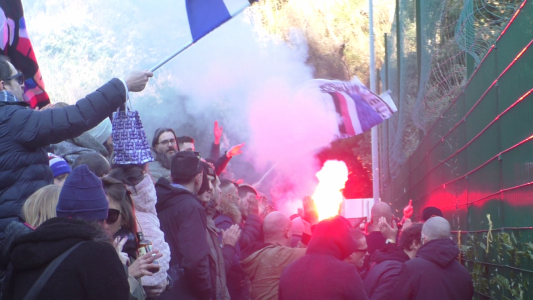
[434, 274]
[322, 273]
[383, 274]
[24, 132]
[221, 162]
[238, 288]
[251, 231]
[184, 223]
[92, 271]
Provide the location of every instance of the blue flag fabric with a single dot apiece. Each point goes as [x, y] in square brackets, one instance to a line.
[206, 15]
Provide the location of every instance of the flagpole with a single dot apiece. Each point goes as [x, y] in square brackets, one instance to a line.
[164, 61]
[189, 44]
[374, 132]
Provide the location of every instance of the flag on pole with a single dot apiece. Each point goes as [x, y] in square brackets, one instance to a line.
[16, 45]
[206, 15]
[359, 109]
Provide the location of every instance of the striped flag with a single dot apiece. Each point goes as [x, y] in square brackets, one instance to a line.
[358, 107]
[16, 45]
[206, 15]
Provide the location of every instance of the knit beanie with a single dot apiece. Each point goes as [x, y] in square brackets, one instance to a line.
[83, 196]
[58, 165]
[431, 211]
[102, 131]
[185, 165]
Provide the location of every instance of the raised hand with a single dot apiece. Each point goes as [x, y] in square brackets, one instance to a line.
[388, 231]
[217, 131]
[408, 210]
[137, 80]
[231, 236]
[235, 150]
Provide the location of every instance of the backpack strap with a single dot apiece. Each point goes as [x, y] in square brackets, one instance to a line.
[39, 284]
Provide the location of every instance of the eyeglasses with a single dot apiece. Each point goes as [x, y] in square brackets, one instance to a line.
[168, 142]
[19, 76]
[112, 216]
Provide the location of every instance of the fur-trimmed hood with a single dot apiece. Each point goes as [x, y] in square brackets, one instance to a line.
[230, 210]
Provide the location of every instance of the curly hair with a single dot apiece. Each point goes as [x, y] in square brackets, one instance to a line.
[410, 234]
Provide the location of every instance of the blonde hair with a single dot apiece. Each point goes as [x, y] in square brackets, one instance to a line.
[41, 206]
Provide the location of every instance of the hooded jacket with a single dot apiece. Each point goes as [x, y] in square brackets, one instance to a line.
[264, 266]
[183, 221]
[383, 274]
[434, 274]
[321, 273]
[156, 170]
[24, 166]
[92, 271]
[229, 215]
[145, 199]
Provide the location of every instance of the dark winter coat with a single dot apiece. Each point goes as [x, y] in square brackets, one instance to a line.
[322, 273]
[221, 162]
[251, 231]
[236, 280]
[382, 277]
[434, 274]
[92, 271]
[24, 132]
[184, 223]
[375, 241]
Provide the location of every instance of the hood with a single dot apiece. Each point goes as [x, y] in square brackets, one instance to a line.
[55, 236]
[389, 252]
[230, 210]
[441, 252]
[252, 249]
[332, 237]
[166, 194]
[144, 195]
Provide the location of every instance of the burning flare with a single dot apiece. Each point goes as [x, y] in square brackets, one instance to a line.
[328, 195]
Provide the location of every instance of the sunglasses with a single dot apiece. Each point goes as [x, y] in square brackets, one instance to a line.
[19, 76]
[112, 216]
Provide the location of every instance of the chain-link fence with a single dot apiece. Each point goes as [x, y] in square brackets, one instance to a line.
[461, 73]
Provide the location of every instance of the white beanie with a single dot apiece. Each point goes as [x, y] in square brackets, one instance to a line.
[102, 131]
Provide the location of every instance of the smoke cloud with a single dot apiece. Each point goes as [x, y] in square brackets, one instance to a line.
[250, 82]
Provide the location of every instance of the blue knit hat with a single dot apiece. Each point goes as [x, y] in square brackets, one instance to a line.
[58, 165]
[83, 196]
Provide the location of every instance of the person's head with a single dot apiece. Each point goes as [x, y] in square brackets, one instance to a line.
[248, 196]
[186, 169]
[121, 207]
[186, 143]
[11, 80]
[165, 142]
[435, 228]
[357, 258]
[410, 239]
[206, 190]
[83, 197]
[379, 210]
[41, 205]
[217, 191]
[230, 192]
[130, 175]
[277, 229]
[98, 164]
[101, 132]
[60, 169]
[430, 212]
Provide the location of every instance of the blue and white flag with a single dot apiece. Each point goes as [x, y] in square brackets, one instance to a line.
[206, 15]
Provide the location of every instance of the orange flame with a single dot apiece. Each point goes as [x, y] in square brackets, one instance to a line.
[328, 195]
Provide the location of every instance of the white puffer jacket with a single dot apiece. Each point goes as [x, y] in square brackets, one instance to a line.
[145, 198]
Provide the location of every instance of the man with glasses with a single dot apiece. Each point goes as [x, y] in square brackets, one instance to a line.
[25, 132]
[184, 223]
[164, 146]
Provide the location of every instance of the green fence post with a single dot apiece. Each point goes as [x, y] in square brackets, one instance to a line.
[386, 63]
[398, 51]
[418, 41]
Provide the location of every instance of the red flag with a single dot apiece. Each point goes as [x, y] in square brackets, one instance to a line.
[15, 44]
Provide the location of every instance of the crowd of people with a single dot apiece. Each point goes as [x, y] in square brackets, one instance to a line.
[76, 225]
